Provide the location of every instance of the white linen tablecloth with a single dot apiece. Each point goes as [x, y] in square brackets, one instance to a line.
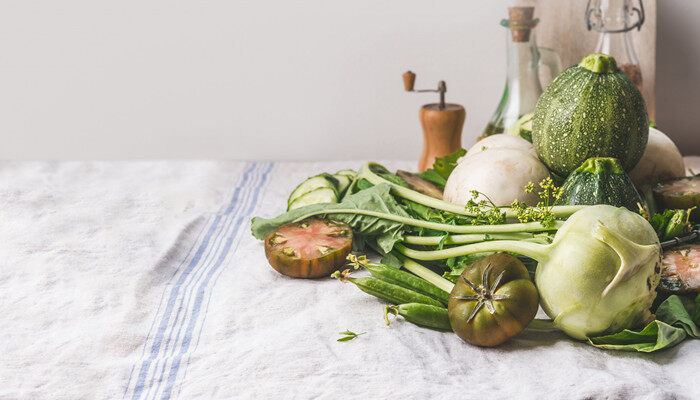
[140, 280]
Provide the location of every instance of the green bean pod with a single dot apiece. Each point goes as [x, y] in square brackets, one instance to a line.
[408, 281]
[392, 293]
[421, 314]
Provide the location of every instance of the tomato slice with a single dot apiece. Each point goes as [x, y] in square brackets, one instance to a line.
[311, 248]
[680, 273]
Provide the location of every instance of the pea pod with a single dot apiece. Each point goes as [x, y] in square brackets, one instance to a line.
[408, 281]
[421, 314]
[388, 291]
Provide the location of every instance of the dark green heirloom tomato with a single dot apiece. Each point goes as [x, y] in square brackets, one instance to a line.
[311, 248]
[492, 301]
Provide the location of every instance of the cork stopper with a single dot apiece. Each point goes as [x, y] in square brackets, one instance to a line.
[521, 21]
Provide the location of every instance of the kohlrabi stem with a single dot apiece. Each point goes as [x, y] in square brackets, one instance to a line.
[468, 238]
[425, 273]
[524, 227]
[406, 193]
[541, 325]
[532, 250]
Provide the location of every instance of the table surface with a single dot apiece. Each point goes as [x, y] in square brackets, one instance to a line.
[141, 280]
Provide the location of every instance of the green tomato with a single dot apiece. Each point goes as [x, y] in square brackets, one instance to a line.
[492, 301]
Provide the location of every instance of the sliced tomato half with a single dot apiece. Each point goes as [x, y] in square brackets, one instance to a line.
[311, 248]
[681, 270]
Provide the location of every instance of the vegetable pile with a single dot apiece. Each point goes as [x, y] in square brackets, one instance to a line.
[480, 241]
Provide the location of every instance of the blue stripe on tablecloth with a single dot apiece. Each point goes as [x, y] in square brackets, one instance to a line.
[221, 229]
[240, 223]
[192, 287]
[202, 250]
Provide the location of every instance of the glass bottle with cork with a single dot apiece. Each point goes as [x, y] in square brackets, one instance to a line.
[523, 61]
[615, 19]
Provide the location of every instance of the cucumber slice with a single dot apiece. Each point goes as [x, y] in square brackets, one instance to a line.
[320, 195]
[319, 181]
[343, 183]
[352, 174]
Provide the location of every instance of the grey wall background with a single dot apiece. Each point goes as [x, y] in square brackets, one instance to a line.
[271, 79]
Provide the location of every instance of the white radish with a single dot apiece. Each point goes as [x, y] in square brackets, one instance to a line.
[661, 161]
[501, 141]
[499, 173]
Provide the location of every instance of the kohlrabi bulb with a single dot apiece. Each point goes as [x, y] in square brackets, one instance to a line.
[601, 272]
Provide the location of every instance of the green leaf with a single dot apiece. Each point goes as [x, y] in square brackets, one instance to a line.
[350, 335]
[674, 313]
[442, 168]
[388, 175]
[363, 184]
[432, 176]
[671, 223]
[441, 243]
[376, 198]
[673, 324]
[696, 310]
[655, 336]
[389, 259]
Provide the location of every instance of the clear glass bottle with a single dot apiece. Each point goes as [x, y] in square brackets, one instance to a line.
[523, 60]
[614, 19]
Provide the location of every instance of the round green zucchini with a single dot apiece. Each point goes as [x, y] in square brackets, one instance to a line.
[592, 109]
[600, 181]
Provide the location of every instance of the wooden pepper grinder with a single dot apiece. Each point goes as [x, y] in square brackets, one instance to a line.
[442, 124]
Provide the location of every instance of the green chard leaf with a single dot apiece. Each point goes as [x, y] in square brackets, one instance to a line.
[432, 176]
[673, 324]
[376, 198]
[388, 175]
[442, 168]
[674, 313]
[389, 259]
[655, 336]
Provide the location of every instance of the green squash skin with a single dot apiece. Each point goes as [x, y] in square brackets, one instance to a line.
[584, 114]
[600, 181]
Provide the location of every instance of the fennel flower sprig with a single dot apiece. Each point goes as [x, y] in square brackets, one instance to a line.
[484, 210]
[548, 194]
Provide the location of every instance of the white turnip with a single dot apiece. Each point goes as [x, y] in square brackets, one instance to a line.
[661, 161]
[499, 173]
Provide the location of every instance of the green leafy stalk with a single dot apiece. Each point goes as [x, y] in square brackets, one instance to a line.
[466, 238]
[374, 212]
[367, 173]
[503, 228]
[424, 273]
[533, 250]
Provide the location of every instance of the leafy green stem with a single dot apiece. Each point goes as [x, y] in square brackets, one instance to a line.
[504, 228]
[425, 273]
[366, 173]
[532, 250]
[466, 238]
